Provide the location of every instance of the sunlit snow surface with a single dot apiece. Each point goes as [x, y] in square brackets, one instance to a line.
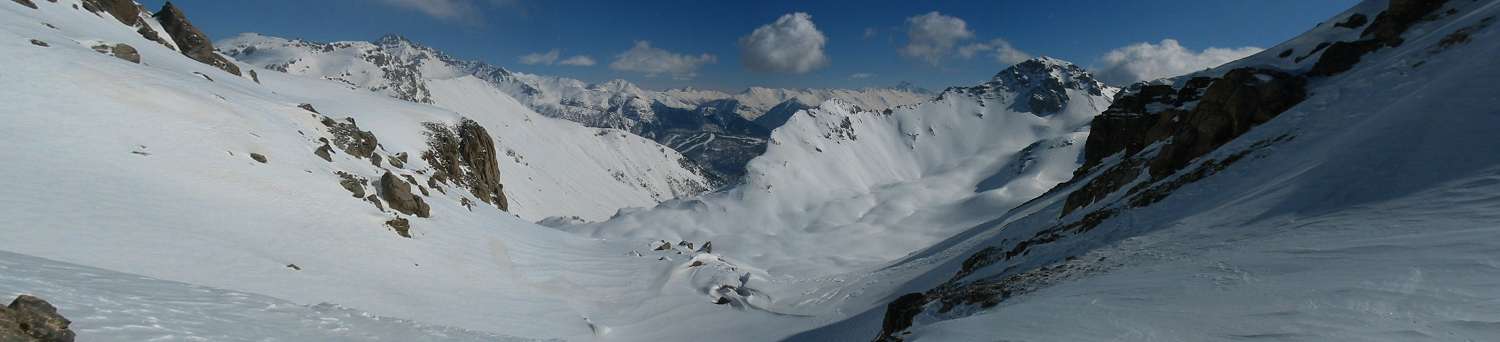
[1376, 220]
[106, 305]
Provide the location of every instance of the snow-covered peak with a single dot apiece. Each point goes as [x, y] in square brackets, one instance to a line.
[1048, 72]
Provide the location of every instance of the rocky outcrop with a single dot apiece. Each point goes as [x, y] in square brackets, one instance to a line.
[190, 41]
[397, 193]
[39, 43]
[355, 184]
[30, 318]
[1192, 121]
[26, 3]
[1040, 85]
[401, 226]
[1384, 31]
[465, 156]
[128, 12]
[348, 137]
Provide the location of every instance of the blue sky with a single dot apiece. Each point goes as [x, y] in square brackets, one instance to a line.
[863, 43]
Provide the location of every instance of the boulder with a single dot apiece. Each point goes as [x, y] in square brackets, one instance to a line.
[397, 193]
[39, 43]
[325, 152]
[465, 154]
[33, 319]
[401, 226]
[26, 3]
[191, 41]
[121, 51]
[355, 184]
[258, 157]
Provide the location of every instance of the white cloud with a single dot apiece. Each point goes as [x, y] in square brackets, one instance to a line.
[550, 57]
[540, 58]
[792, 44]
[653, 61]
[871, 32]
[998, 48]
[861, 75]
[464, 11]
[579, 60]
[1146, 61]
[932, 36]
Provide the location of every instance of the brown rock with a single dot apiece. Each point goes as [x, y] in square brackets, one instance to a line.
[33, 319]
[191, 41]
[325, 152]
[354, 184]
[121, 51]
[466, 155]
[401, 226]
[397, 193]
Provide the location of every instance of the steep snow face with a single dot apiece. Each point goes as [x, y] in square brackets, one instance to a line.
[178, 171]
[841, 188]
[1365, 211]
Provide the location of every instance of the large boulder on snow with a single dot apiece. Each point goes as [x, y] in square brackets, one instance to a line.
[397, 193]
[128, 12]
[191, 41]
[465, 155]
[30, 318]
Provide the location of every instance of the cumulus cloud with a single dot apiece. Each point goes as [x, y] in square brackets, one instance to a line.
[579, 60]
[464, 11]
[861, 75]
[932, 36]
[1146, 61]
[997, 48]
[550, 57]
[540, 58]
[791, 44]
[653, 61]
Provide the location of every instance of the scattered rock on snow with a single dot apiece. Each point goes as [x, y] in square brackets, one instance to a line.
[355, 184]
[308, 107]
[121, 51]
[39, 43]
[397, 193]
[33, 319]
[401, 226]
[325, 152]
[26, 3]
[258, 157]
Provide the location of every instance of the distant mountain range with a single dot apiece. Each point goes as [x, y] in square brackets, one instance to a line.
[720, 131]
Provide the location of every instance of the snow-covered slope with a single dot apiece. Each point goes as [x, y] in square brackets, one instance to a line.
[152, 169]
[577, 171]
[857, 188]
[1348, 195]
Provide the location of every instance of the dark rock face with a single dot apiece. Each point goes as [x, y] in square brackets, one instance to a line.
[192, 42]
[1354, 21]
[1194, 119]
[1384, 31]
[397, 193]
[33, 319]
[39, 43]
[899, 315]
[465, 156]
